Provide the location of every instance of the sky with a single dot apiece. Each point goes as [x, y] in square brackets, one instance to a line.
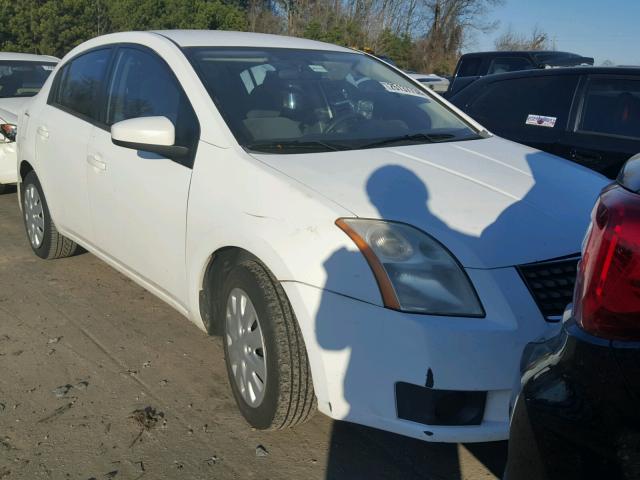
[605, 30]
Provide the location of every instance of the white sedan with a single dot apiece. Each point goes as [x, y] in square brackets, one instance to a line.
[363, 247]
[430, 80]
[21, 77]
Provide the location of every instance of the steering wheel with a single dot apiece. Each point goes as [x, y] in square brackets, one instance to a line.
[337, 122]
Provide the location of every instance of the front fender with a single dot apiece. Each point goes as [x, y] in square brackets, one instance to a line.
[237, 201]
[322, 257]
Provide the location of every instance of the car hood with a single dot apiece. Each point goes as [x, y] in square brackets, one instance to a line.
[11, 107]
[492, 202]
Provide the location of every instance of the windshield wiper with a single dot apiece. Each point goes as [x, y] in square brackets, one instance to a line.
[415, 137]
[295, 145]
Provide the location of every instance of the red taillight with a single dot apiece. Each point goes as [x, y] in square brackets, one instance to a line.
[607, 295]
[8, 130]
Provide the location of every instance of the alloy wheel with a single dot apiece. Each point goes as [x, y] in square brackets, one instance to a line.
[245, 347]
[34, 216]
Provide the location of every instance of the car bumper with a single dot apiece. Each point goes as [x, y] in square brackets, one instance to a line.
[575, 417]
[403, 372]
[8, 163]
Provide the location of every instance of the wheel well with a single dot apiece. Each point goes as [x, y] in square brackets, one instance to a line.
[220, 264]
[25, 168]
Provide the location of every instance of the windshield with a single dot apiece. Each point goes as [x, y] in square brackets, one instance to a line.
[23, 78]
[286, 100]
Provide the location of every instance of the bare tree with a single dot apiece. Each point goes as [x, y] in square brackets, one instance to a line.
[537, 40]
[428, 34]
[449, 26]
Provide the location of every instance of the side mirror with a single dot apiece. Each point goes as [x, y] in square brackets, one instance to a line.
[149, 134]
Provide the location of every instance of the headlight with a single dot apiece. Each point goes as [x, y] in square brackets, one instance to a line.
[8, 130]
[415, 272]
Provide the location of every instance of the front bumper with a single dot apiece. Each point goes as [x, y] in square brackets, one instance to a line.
[360, 353]
[8, 163]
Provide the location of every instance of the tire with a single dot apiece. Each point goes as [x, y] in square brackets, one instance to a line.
[288, 398]
[47, 243]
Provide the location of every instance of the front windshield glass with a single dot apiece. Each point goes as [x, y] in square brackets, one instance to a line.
[292, 101]
[23, 79]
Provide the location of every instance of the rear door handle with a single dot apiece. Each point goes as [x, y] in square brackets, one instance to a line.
[96, 162]
[43, 132]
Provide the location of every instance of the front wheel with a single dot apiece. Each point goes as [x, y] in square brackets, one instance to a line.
[265, 354]
[44, 238]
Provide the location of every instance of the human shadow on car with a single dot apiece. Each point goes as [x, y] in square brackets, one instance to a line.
[360, 452]
[357, 451]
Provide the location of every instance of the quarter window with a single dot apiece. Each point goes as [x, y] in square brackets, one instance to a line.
[143, 86]
[81, 83]
[612, 107]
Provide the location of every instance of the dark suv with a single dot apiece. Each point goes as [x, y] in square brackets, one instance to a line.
[590, 115]
[472, 66]
[577, 415]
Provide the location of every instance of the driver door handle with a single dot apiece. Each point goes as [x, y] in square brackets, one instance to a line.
[96, 162]
[43, 132]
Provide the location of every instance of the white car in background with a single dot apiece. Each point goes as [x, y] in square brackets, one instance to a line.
[21, 77]
[431, 80]
[360, 244]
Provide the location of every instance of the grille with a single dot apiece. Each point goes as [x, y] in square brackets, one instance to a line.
[551, 284]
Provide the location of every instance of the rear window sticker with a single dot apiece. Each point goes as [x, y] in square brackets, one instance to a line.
[541, 121]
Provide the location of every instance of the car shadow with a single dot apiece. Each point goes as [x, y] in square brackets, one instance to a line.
[359, 452]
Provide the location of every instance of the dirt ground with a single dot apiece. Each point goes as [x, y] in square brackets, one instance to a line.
[99, 379]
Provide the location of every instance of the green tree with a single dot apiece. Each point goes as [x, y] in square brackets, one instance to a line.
[166, 14]
[398, 47]
[54, 27]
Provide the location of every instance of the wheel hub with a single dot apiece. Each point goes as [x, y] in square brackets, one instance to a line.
[34, 216]
[245, 347]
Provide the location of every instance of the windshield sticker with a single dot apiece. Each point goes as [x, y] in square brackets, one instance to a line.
[541, 121]
[48, 67]
[396, 88]
[318, 68]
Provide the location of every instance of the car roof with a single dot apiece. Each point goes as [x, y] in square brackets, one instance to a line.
[552, 72]
[27, 57]
[502, 53]
[482, 82]
[221, 38]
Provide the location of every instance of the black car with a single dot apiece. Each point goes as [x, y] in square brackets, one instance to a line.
[578, 415]
[472, 66]
[590, 115]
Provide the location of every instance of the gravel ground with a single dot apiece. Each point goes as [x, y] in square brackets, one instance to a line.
[99, 379]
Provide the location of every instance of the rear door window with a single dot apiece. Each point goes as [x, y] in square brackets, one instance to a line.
[81, 82]
[611, 107]
[509, 64]
[517, 104]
